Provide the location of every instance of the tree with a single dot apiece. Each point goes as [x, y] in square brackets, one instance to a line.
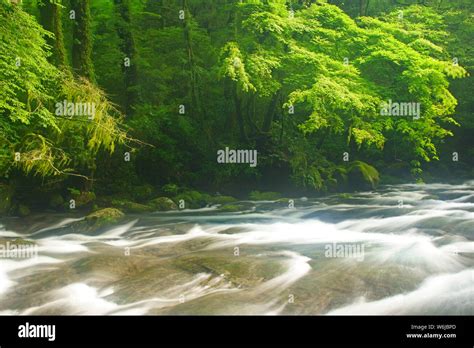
[127, 46]
[51, 19]
[82, 40]
[36, 139]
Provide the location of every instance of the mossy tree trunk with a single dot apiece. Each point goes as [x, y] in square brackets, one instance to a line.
[50, 15]
[82, 55]
[82, 40]
[128, 49]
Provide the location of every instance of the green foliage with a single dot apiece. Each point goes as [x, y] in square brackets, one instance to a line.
[301, 87]
[36, 140]
[171, 189]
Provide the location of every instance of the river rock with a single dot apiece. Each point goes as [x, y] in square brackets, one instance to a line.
[84, 198]
[131, 207]
[162, 204]
[362, 176]
[23, 210]
[56, 201]
[104, 216]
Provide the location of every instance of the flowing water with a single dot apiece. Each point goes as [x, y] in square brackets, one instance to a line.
[405, 249]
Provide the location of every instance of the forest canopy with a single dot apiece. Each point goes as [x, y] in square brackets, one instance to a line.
[109, 95]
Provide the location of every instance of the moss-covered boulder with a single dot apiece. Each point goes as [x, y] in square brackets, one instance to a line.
[21, 241]
[264, 196]
[362, 176]
[222, 199]
[104, 217]
[193, 199]
[131, 207]
[236, 207]
[55, 201]
[23, 210]
[230, 208]
[83, 198]
[6, 196]
[162, 204]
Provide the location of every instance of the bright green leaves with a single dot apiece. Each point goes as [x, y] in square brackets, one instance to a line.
[24, 70]
[261, 67]
[39, 156]
[335, 101]
[369, 136]
[233, 67]
[102, 131]
[34, 138]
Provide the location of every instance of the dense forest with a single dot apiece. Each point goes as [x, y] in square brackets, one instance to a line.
[116, 102]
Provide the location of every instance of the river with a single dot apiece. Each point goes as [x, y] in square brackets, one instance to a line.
[403, 249]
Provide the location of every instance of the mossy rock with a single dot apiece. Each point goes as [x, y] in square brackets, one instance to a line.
[264, 196]
[162, 204]
[131, 207]
[193, 199]
[232, 208]
[362, 176]
[6, 196]
[104, 217]
[56, 201]
[17, 241]
[83, 198]
[23, 210]
[222, 199]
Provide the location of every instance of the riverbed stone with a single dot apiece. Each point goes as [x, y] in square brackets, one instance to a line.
[362, 176]
[131, 207]
[104, 217]
[162, 204]
[23, 210]
[56, 201]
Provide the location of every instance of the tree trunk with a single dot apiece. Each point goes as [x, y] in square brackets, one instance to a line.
[82, 40]
[267, 121]
[238, 112]
[191, 63]
[50, 16]
[361, 7]
[128, 49]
